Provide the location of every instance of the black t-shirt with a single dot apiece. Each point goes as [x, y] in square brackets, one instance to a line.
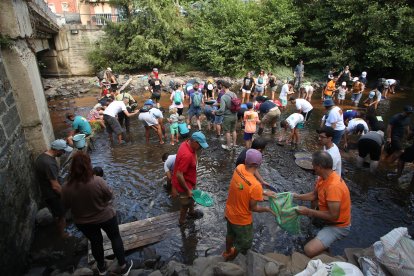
[398, 123]
[241, 158]
[155, 84]
[272, 81]
[248, 83]
[46, 169]
[266, 106]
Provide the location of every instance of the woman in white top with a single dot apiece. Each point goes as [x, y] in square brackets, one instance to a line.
[334, 118]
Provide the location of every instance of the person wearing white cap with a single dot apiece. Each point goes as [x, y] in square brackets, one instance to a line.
[342, 90]
[47, 173]
[363, 78]
[370, 101]
[357, 89]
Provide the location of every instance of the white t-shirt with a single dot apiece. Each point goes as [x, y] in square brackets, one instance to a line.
[114, 108]
[335, 116]
[148, 119]
[169, 163]
[303, 105]
[156, 113]
[284, 92]
[308, 88]
[336, 157]
[354, 122]
[391, 81]
[294, 119]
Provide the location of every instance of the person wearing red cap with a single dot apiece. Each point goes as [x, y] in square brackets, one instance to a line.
[244, 193]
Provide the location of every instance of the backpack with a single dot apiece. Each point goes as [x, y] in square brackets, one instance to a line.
[177, 97]
[260, 80]
[235, 104]
[197, 99]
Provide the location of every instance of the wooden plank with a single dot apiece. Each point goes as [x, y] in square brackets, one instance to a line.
[141, 233]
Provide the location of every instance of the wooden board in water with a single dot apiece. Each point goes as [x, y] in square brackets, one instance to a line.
[140, 233]
[303, 154]
[304, 163]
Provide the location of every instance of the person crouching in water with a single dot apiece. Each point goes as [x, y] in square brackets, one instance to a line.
[244, 193]
[183, 127]
[294, 122]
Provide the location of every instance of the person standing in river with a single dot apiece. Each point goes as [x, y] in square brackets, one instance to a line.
[299, 73]
[334, 118]
[334, 202]
[184, 177]
[47, 172]
[245, 192]
[89, 198]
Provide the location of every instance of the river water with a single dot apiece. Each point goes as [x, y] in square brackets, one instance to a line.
[135, 173]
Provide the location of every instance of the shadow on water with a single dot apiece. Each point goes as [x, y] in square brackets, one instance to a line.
[135, 173]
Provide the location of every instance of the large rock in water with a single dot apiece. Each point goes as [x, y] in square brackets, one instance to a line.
[228, 269]
[176, 269]
[204, 266]
[258, 265]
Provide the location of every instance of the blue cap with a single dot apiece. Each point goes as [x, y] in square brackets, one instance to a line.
[249, 105]
[328, 102]
[149, 102]
[199, 137]
[243, 106]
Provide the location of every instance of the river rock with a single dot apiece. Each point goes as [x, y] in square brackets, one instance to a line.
[299, 262]
[228, 269]
[256, 264]
[155, 273]
[35, 271]
[176, 269]
[44, 217]
[271, 269]
[280, 258]
[204, 265]
[83, 271]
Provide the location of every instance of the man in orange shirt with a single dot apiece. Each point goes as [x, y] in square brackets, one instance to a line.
[244, 193]
[334, 204]
[329, 89]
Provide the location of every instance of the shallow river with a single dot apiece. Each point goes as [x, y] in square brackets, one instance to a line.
[135, 173]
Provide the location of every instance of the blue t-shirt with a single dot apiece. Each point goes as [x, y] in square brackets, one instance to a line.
[82, 125]
[266, 106]
[183, 128]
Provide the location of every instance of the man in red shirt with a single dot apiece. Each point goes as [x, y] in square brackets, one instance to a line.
[185, 172]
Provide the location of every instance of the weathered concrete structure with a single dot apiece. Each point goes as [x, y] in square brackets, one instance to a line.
[25, 126]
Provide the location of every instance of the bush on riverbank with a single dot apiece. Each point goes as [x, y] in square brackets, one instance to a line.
[233, 36]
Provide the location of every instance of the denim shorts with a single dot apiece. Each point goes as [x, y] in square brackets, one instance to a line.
[194, 111]
[218, 119]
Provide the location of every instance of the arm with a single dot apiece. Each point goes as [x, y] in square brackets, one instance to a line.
[255, 208]
[331, 215]
[130, 114]
[181, 181]
[260, 178]
[168, 174]
[389, 129]
[311, 196]
[56, 186]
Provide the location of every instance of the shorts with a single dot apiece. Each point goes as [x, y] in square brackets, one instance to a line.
[246, 91]
[218, 119]
[156, 95]
[174, 128]
[307, 114]
[209, 116]
[341, 96]
[368, 146]
[326, 97]
[55, 205]
[229, 123]
[271, 117]
[329, 234]
[247, 136]
[194, 111]
[283, 102]
[273, 89]
[408, 154]
[258, 89]
[112, 125]
[185, 200]
[300, 125]
[242, 236]
[356, 98]
[396, 144]
[185, 135]
[337, 136]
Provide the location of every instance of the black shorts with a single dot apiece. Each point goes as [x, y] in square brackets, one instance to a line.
[112, 125]
[368, 146]
[307, 114]
[396, 144]
[408, 154]
[156, 95]
[55, 205]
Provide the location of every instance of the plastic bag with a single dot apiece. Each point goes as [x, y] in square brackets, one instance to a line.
[318, 268]
[286, 215]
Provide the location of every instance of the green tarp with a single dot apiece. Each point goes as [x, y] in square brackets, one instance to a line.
[286, 215]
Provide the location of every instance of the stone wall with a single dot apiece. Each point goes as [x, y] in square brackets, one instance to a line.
[73, 43]
[18, 192]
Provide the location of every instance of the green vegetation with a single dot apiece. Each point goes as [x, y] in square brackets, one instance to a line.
[233, 36]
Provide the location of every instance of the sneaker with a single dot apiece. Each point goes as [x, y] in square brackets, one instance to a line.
[226, 147]
[103, 272]
[125, 271]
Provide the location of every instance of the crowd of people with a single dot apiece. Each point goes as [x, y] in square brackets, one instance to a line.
[89, 197]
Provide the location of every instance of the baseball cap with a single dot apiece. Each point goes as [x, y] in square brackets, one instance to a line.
[261, 99]
[371, 94]
[355, 79]
[408, 109]
[253, 157]
[109, 69]
[359, 128]
[328, 102]
[330, 76]
[155, 69]
[329, 131]
[249, 105]
[149, 102]
[61, 144]
[344, 83]
[364, 74]
[210, 86]
[200, 138]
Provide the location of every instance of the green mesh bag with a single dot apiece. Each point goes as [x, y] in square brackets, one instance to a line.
[286, 215]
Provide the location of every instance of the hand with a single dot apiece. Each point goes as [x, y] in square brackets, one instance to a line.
[303, 210]
[295, 196]
[389, 140]
[269, 193]
[271, 211]
[346, 146]
[190, 193]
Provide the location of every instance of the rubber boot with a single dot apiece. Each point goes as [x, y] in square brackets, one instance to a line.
[273, 130]
[260, 132]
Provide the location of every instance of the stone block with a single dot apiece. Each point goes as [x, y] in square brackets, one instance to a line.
[228, 269]
[10, 121]
[280, 258]
[271, 269]
[84, 271]
[155, 273]
[256, 264]
[10, 99]
[299, 262]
